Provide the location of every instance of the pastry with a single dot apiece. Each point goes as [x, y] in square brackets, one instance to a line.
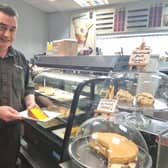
[124, 95]
[61, 109]
[37, 113]
[117, 149]
[74, 130]
[145, 99]
[110, 93]
[48, 91]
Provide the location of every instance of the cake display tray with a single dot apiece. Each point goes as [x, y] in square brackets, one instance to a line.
[85, 157]
[158, 105]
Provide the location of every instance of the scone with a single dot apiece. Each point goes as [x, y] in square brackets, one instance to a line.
[145, 99]
[124, 95]
[118, 150]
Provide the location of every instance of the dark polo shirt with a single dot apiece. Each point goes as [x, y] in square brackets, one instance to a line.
[15, 80]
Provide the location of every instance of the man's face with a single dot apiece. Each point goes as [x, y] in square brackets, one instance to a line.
[8, 25]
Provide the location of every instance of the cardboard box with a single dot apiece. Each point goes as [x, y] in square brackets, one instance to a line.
[64, 47]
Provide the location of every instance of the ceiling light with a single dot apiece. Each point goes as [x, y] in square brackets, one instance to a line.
[51, 0]
[87, 3]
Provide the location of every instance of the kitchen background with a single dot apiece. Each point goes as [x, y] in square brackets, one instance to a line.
[36, 27]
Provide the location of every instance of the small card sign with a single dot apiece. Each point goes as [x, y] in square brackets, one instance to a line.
[140, 56]
[107, 105]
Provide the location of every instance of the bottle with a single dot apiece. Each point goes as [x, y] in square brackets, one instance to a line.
[49, 48]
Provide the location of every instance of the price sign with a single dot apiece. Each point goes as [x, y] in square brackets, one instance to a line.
[139, 58]
[106, 105]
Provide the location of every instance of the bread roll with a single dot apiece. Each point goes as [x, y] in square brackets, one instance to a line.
[145, 99]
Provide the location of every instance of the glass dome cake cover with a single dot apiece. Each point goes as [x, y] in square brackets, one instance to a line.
[105, 143]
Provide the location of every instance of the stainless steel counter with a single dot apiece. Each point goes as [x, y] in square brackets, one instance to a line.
[68, 164]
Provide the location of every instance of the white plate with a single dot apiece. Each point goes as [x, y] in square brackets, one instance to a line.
[51, 115]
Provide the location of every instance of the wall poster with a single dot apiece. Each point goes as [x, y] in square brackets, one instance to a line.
[83, 30]
[165, 16]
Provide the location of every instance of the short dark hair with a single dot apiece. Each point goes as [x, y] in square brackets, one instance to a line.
[8, 10]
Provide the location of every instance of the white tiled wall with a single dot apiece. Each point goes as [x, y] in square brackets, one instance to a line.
[111, 45]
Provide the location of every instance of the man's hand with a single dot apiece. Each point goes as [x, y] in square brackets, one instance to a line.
[8, 113]
[30, 102]
[31, 106]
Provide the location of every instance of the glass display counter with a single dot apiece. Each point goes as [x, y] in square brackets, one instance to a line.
[75, 94]
[69, 86]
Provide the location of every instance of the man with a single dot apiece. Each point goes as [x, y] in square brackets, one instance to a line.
[16, 88]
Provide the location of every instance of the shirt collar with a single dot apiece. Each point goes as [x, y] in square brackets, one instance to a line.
[11, 52]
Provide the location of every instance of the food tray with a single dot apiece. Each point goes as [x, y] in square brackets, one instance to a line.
[52, 123]
[158, 105]
[60, 95]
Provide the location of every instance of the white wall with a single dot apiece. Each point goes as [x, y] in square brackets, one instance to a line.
[36, 27]
[32, 33]
[59, 25]
[111, 45]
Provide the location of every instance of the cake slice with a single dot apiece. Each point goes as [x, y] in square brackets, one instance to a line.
[37, 113]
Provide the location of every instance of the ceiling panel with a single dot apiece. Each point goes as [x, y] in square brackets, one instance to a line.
[63, 5]
[58, 5]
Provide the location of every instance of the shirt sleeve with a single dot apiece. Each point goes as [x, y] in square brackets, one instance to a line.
[29, 84]
[29, 88]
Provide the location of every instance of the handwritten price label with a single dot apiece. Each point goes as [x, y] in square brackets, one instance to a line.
[106, 105]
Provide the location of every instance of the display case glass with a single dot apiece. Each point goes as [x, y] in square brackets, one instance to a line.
[76, 95]
[142, 93]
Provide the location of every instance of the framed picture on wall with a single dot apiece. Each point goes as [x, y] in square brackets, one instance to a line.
[83, 30]
[165, 16]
